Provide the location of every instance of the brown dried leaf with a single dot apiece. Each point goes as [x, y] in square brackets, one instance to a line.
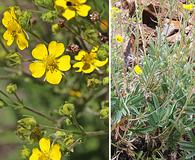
[174, 38]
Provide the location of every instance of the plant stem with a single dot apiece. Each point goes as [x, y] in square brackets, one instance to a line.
[76, 123]
[92, 133]
[96, 133]
[33, 110]
[77, 34]
[36, 36]
[39, 113]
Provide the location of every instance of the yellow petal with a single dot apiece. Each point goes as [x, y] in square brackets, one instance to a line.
[7, 17]
[56, 49]
[69, 14]
[80, 55]
[44, 145]
[21, 41]
[78, 65]
[61, 3]
[14, 27]
[98, 63]
[54, 77]
[83, 10]
[35, 154]
[12, 12]
[188, 6]
[8, 37]
[138, 70]
[55, 152]
[64, 63]
[81, 1]
[88, 68]
[37, 69]
[40, 52]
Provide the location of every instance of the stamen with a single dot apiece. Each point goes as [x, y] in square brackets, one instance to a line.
[51, 64]
[69, 4]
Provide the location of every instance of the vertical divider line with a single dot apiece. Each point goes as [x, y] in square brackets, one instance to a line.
[110, 58]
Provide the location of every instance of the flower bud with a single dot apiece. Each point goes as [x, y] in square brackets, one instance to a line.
[49, 16]
[13, 59]
[105, 81]
[68, 122]
[23, 133]
[59, 134]
[93, 82]
[55, 28]
[103, 51]
[24, 18]
[104, 113]
[25, 152]
[69, 140]
[28, 122]
[44, 3]
[11, 88]
[68, 109]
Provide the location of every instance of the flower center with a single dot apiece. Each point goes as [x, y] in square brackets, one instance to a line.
[72, 5]
[44, 156]
[89, 58]
[14, 28]
[51, 63]
[69, 4]
[86, 66]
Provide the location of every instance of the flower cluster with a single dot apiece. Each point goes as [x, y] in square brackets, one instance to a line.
[14, 30]
[51, 62]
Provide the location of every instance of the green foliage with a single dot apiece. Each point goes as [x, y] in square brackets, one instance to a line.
[159, 102]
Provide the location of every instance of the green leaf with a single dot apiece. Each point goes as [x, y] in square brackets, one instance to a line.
[187, 146]
[155, 101]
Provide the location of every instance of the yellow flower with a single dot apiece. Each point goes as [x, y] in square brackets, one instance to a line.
[119, 39]
[47, 151]
[14, 30]
[71, 7]
[51, 63]
[188, 6]
[138, 70]
[88, 62]
[115, 10]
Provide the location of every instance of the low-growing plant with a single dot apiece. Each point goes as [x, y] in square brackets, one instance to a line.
[54, 78]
